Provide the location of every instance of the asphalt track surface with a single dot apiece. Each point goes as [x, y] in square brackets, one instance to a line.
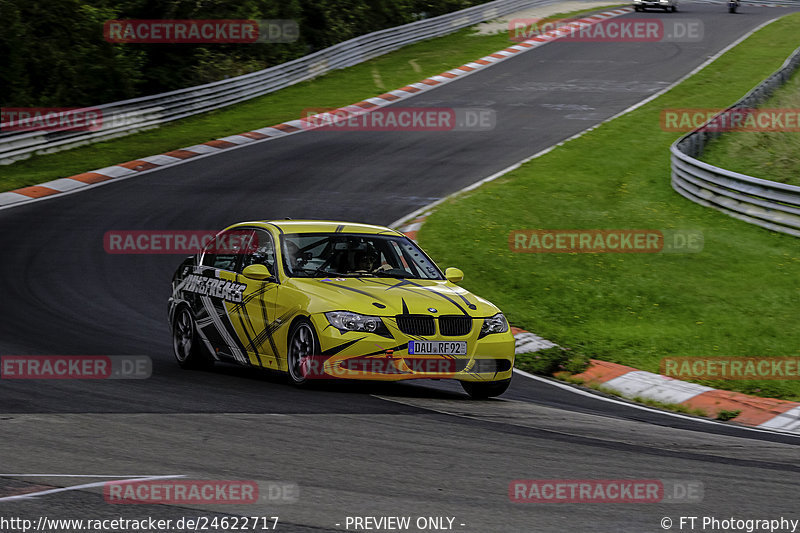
[414, 450]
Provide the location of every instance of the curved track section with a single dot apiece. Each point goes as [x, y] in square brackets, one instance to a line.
[403, 449]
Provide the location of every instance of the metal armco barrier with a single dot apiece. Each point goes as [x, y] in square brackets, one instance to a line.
[768, 204]
[138, 114]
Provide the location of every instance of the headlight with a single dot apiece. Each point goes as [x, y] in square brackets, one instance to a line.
[494, 324]
[347, 321]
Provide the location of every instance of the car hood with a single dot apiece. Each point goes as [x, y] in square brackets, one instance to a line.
[390, 296]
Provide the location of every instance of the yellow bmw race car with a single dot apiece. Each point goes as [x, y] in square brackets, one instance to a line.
[330, 300]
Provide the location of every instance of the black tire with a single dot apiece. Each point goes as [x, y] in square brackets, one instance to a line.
[674, 9]
[481, 390]
[732, 9]
[186, 345]
[302, 343]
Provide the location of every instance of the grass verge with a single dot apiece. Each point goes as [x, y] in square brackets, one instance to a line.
[552, 360]
[674, 407]
[408, 65]
[766, 154]
[738, 297]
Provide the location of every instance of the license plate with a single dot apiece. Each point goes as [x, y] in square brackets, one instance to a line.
[437, 347]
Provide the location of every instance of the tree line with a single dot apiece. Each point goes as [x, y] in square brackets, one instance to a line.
[53, 52]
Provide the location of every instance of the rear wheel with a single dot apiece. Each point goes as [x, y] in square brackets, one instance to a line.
[303, 344]
[189, 351]
[480, 390]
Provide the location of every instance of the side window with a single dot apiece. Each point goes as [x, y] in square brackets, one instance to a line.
[223, 252]
[261, 251]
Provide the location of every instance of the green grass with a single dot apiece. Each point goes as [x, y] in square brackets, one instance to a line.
[674, 407]
[551, 361]
[725, 415]
[767, 155]
[738, 297]
[388, 72]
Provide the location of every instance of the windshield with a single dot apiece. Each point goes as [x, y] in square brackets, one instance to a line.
[315, 255]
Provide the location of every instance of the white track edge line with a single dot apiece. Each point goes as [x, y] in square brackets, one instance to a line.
[582, 392]
[82, 486]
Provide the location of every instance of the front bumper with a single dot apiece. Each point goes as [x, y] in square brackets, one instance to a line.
[367, 356]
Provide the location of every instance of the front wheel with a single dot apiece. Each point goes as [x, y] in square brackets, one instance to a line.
[480, 390]
[189, 351]
[303, 344]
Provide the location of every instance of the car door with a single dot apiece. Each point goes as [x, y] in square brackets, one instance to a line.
[218, 295]
[255, 319]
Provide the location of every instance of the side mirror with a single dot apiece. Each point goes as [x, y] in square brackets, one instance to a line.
[257, 272]
[453, 275]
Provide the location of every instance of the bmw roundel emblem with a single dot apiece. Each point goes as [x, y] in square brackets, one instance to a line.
[432, 309]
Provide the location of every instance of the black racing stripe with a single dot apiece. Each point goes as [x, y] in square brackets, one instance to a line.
[251, 344]
[464, 299]
[255, 294]
[402, 285]
[211, 333]
[429, 289]
[227, 323]
[403, 346]
[238, 310]
[258, 340]
[365, 293]
[269, 332]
